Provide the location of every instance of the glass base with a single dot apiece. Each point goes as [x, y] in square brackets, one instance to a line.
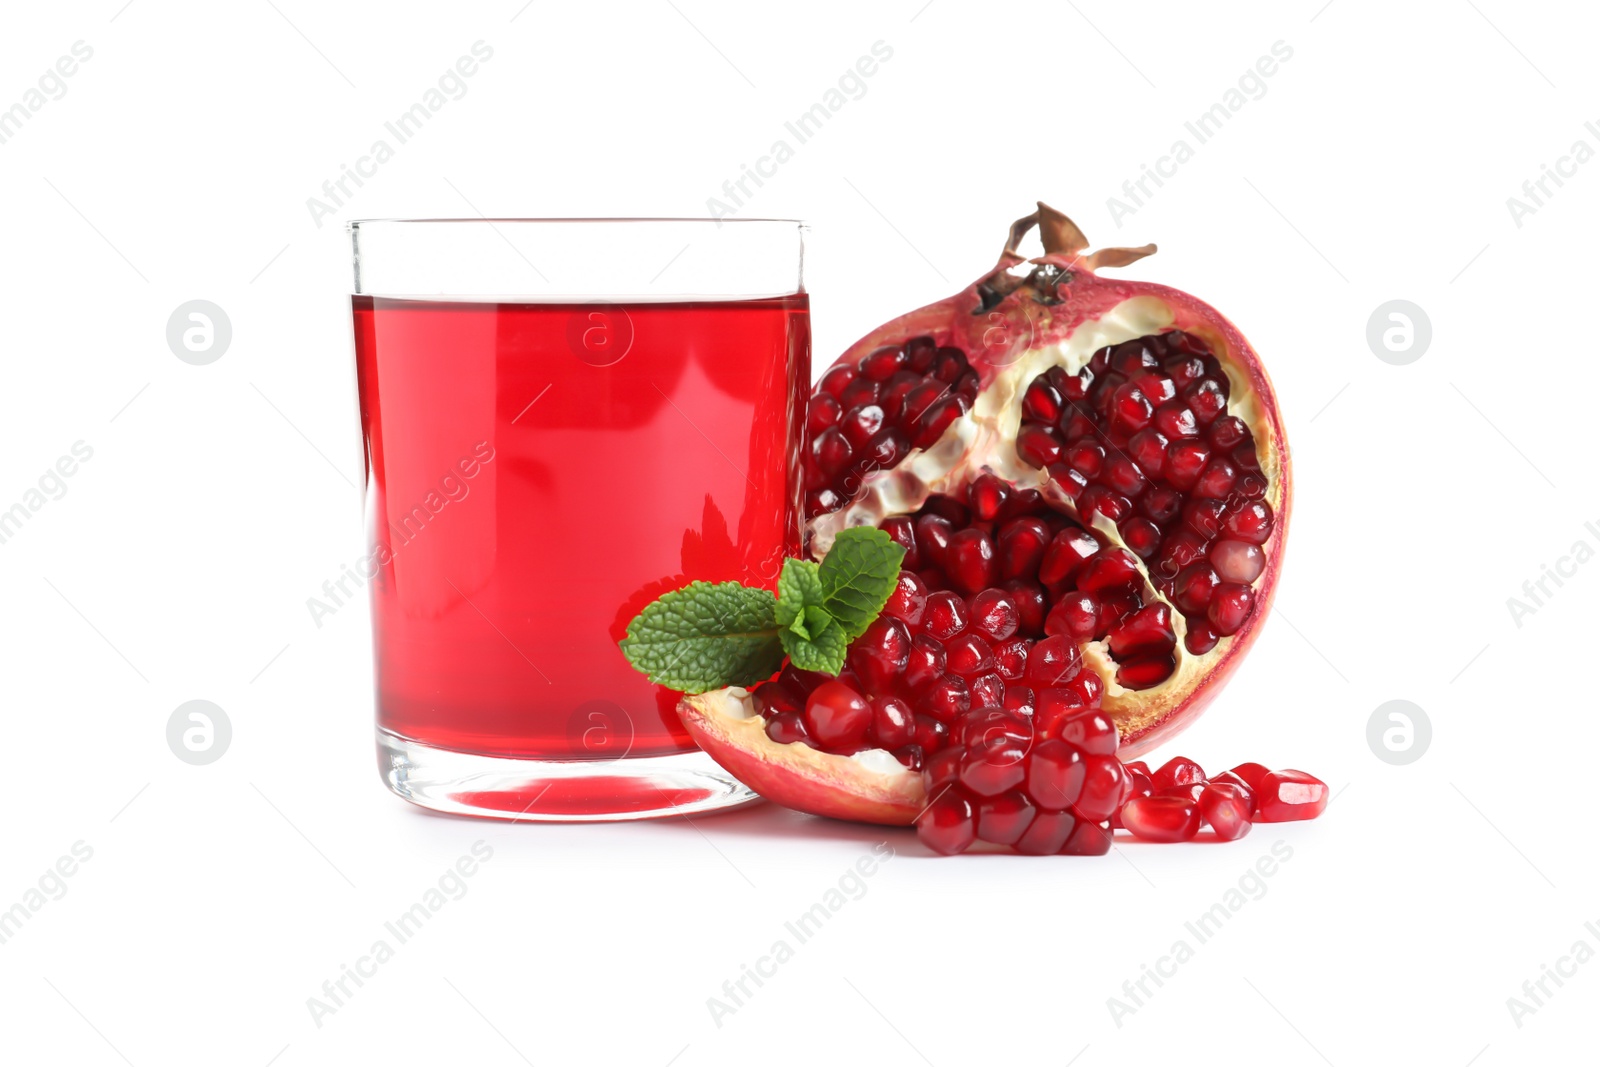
[527, 790]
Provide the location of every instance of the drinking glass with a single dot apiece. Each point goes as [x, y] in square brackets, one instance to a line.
[564, 419]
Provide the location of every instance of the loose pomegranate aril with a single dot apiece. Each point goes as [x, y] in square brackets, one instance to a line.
[1226, 809]
[1003, 819]
[1288, 796]
[836, 716]
[1177, 771]
[1158, 818]
[1250, 773]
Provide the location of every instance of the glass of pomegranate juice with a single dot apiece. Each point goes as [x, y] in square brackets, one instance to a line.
[564, 419]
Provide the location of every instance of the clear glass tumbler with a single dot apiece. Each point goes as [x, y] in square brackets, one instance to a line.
[563, 419]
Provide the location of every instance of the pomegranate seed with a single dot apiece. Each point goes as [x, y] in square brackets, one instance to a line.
[1085, 457]
[948, 825]
[1055, 775]
[893, 722]
[901, 530]
[1252, 486]
[822, 411]
[1091, 731]
[1066, 554]
[837, 717]
[1021, 547]
[994, 614]
[987, 496]
[1047, 834]
[859, 392]
[949, 364]
[909, 600]
[880, 655]
[831, 451]
[1124, 475]
[1011, 660]
[1226, 808]
[1237, 561]
[947, 699]
[1142, 536]
[937, 419]
[1109, 570]
[1230, 607]
[1227, 432]
[1148, 449]
[1031, 606]
[1160, 504]
[1177, 771]
[1132, 358]
[1252, 774]
[1207, 400]
[1156, 387]
[1002, 819]
[1069, 481]
[1146, 671]
[919, 398]
[1087, 839]
[1146, 630]
[1019, 699]
[925, 664]
[1200, 638]
[1131, 410]
[1053, 662]
[1183, 368]
[861, 424]
[1204, 517]
[1230, 778]
[1191, 590]
[933, 534]
[1176, 420]
[920, 354]
[968, 655]
[1288, 796]
[993, 769]
[1038, 446]
[1076, 615]
[1102, 788]
[1251, 523]
[1041, 402]
[1216, 481]
[1163, 819]
[1088, 687]
[833, 383]
[882, 364]
[944, 615]
[988, 690]
[932, 735]
[1186, 460]
[787, 728]
[969, 560]
[1244, 455]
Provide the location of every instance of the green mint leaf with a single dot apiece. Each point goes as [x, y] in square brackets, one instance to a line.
[706, 636]
[825, 650]
[857, 575]
[799, 587]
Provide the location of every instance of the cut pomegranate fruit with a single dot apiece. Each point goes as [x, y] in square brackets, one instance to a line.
[1131, 424]
[1090, 480]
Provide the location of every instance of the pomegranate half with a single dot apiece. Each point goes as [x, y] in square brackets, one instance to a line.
[1067, 458]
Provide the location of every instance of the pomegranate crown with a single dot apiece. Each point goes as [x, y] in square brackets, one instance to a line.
[1062, 239]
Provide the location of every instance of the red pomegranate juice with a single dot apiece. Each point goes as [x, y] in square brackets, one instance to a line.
[537, 473]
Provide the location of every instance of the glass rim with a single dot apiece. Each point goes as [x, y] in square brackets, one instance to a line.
[355, 224]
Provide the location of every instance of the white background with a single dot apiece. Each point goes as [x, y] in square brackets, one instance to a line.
[1377, 166]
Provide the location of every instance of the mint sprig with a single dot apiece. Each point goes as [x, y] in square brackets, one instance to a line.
[706, 636]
